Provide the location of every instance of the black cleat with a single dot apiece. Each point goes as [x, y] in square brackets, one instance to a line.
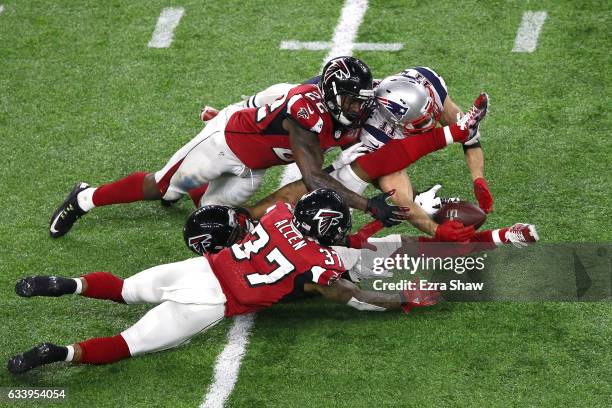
[44, 353]
[66, 215]
[45, 286]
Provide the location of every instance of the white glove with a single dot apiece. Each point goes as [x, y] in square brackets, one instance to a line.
[349, 155]
[430, 202]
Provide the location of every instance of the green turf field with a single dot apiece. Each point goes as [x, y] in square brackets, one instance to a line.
[82, 97]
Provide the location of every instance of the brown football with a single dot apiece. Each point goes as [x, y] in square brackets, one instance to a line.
[462, 211]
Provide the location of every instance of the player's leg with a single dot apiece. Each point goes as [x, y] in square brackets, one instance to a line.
[167, 325]
[202, 159]
[152, 285]
[232, 190]
[192, 301]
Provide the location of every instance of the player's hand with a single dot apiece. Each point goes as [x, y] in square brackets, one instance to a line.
[359, 240]
[429, 201]
[418, 297]
[483, 195]
[349, 155]
[454, 231]
[388, 214]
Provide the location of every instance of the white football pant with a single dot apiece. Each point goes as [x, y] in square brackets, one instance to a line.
[189, 300]
[208, 159]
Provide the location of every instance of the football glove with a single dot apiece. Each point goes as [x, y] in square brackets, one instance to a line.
[418, 297]
[388, 214]
[483, 195]
[349, 155]
[430, 202]
[454, 231]
[359, 240]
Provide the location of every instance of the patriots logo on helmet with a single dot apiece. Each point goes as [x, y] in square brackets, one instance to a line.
[327, 219]
[203, 241]
[393, 107]
[338, 69]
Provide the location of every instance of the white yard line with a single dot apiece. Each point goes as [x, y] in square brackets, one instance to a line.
[529, 31]
[324, 45]
[343, 43]
[228, 362]
[164, 29]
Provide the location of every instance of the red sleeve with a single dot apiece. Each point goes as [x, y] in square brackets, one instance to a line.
[324, 277]
[304, 113]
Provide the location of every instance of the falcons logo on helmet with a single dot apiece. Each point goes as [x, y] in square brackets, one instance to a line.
[327, 219]
[338, 69]
[203, 241]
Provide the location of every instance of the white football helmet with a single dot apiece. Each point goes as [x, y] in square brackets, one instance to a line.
[408, 104]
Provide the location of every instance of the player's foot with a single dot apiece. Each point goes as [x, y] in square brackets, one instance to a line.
[521, 235]
[66, 214]
[472, 118]
[45, 286]
[208, 113]
[44, 353]
[167, 203]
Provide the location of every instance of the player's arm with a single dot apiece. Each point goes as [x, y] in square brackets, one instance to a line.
[309, 158]
[347, 293]
[474, 158]
[404, 197]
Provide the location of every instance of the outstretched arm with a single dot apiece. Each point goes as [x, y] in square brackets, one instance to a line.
[343, 291]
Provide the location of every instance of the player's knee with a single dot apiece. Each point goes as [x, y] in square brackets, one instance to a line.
[150, 188]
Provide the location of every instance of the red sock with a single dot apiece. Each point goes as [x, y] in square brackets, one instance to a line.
[399, 154]
[104, 350]
[197, 193]
[103, 285]
[126, 190]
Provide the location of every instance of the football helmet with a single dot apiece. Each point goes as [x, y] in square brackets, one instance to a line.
[323, 215]
[408, 104]
[346, 84]
[211, 228]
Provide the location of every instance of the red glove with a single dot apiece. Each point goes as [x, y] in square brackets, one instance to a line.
[454, 231]
[360, 239]
[418, 297]
[483, 195]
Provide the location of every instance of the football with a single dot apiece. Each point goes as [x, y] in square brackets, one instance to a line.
[462, 211]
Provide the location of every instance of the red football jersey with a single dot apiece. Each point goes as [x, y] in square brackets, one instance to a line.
[257, 137]
[271, 262]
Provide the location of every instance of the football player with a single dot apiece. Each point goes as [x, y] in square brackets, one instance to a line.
[211, 228]
[233, 151]
[409, 106]
[286, 253]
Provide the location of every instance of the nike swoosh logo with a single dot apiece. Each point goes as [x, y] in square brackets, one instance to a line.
[52, 227]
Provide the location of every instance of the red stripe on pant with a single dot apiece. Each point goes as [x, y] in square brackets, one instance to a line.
[197, 193]
[398, 154]
[164, 183]
[104, 350]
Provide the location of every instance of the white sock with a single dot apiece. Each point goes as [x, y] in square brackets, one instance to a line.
[70, 354]
[85, 199]
[496, 238]
[79, 287]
